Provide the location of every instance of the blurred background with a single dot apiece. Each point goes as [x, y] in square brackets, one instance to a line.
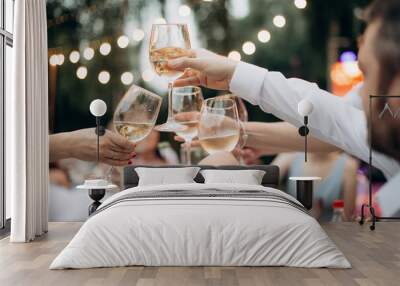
[97, 49]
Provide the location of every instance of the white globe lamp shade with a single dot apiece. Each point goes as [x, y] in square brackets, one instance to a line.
[305, 107]
[98, 107]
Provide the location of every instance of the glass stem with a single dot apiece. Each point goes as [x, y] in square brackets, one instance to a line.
[188, 152]
[170, 115]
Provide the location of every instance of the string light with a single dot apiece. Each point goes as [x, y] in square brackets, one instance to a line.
[301, 4]
[138, 35]
[88, 53]
[53, 60]
[81, 72]
[127, 78]
[234, 55]
[279, 21]
[249, 48]
[264, 36]
[148, 75]
[123, 42]
[160, 21]
[184, 11]
[60, 59]
[105, 49]
[74, 57]
[104, 77]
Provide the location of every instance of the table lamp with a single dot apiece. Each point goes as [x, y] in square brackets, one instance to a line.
[97, 187]
[304, 108]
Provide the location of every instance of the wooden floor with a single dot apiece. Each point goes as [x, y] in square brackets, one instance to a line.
[375, 257]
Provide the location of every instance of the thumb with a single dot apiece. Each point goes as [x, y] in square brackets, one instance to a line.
[183, 63]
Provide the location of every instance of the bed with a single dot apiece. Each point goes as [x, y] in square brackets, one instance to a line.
[197, 224]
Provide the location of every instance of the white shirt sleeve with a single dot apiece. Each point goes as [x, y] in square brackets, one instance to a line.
[332, 120]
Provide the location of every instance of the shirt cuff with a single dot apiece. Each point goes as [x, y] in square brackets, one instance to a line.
[247, 81]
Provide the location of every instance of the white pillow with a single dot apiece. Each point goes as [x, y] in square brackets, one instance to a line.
[246, 177]
[166, 176]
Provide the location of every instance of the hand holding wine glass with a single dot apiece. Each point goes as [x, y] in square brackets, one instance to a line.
[167, 42]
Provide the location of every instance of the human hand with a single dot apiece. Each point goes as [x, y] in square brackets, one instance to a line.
[114, 149]
[204, 68]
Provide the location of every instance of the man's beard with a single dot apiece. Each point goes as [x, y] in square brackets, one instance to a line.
[385, 137]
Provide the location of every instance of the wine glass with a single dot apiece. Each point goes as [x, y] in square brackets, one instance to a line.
[243, 117]
[167, 42]
[186, 106]
[136, 114]
[219, 126]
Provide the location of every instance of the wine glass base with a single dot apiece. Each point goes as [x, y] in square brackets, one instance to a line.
[170, 127]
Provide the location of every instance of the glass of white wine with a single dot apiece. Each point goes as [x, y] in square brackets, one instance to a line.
[219, 126]
[136, 113]
[186, 106]
[243, 117]
[167, 42]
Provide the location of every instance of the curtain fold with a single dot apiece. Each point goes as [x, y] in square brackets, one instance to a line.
[27, 123]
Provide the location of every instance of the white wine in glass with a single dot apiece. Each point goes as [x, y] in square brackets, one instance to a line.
[219, 126]
[186, 106]
[136, 113]
[167, 42]
[243, 117]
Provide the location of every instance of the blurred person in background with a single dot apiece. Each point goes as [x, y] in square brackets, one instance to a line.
[339, 180]
[332, 120]
[147, 150]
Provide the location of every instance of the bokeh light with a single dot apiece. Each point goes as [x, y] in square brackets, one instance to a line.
[127, 78]
[81, 72]
[123, 41]
[53, 60]
[88, 53]
[301, 4]
[348, 56]
[249, 48]
[184, 11]
[60, 59]
[264, 36]
[74, 57]
[104, 77]
[234, 55]
[279, 21]
[105, 49]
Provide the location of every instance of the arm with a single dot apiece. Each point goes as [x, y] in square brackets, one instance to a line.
[283, 161]
[274, 138]
[82, 144]
[332, 120]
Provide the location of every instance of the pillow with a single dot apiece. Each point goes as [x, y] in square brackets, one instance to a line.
[166, 176]
[246, 177]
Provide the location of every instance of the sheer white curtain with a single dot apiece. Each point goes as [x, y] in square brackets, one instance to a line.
[27, 123]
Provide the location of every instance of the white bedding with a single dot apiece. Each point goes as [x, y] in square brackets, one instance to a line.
[200, 231]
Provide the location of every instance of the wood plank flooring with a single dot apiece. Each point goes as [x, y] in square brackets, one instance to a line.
[375, 257]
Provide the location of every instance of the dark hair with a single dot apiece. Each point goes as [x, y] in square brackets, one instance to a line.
[387, 42]
[386, 137]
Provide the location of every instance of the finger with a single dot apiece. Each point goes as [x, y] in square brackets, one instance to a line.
[179, 139]
[187, 81]
[117, 155]
[122, 142]
[185, 62]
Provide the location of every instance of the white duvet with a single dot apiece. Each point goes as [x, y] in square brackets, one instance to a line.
[200, 231]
